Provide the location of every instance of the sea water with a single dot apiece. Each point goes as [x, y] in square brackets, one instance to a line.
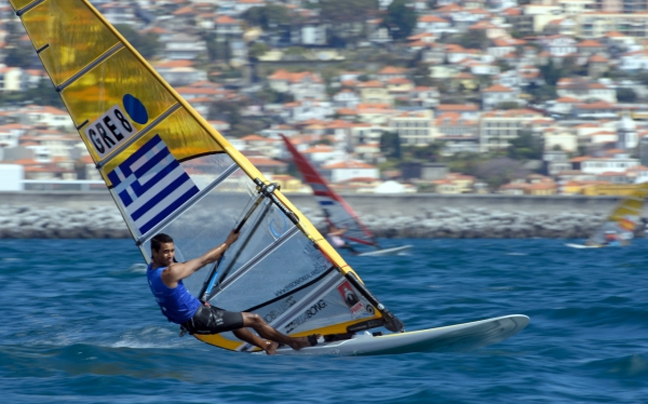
[80, 325]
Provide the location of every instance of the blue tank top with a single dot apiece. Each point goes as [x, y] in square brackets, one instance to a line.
[177, 304]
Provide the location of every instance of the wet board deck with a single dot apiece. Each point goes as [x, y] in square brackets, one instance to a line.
[462, 337]
[572, 245]
[386, 251]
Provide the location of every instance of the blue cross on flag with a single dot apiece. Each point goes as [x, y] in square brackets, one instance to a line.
[151, 184]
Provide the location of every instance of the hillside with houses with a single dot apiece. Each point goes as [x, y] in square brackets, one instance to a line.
[540, 97]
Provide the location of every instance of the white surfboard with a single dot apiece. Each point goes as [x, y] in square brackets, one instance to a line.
[386, 251]
[572, 245]
[453, 338]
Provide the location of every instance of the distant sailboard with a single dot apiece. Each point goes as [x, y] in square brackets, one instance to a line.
[336, 210]
[619, 226]
[168, 170]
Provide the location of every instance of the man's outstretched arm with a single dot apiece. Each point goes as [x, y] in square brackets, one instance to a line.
[180, 270]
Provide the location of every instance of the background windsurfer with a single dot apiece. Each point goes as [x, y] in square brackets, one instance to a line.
[611, 239]
[336, 237]
[181, 307]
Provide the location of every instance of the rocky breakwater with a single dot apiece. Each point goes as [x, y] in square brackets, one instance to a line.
[57, 222]
[480, 223]
[106, 222]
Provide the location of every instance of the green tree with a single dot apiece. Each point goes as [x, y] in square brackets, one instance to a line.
[508, 105]
[146, 44]
[268, 17]
[428, 152]
[23, 57]
[474, 39]
[400, 19]
[44, 94]
[542, 93]
[390, 145]
[257, 49]
[500, 171]
[626, 95]
[421, 75]
[526, 146]
[347, 11]
[551, 73]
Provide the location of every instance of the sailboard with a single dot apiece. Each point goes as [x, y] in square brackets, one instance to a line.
[619, 226]
[463, 337]
[168, 170]
[336, 210]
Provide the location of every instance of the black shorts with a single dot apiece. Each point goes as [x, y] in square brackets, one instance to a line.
[212, 320]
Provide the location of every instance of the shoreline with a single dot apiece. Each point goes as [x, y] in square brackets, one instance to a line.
[94, 215]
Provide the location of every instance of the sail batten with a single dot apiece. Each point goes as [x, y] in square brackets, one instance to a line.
[168, 170]
[224, 282]
[87, 68]
[141, 133]
[28, 7]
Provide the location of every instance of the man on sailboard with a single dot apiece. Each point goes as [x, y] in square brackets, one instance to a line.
[611, 239]
[337, 240]
[165, 277]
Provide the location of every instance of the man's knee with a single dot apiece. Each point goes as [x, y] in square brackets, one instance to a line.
[252, 319]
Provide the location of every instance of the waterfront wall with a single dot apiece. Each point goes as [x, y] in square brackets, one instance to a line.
[94, 215]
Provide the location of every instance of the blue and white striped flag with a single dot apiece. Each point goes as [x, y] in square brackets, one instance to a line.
[151, 184]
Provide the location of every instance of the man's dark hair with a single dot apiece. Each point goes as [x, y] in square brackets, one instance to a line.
[159, 239]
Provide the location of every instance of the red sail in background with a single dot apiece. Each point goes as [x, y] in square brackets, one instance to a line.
[336, 210]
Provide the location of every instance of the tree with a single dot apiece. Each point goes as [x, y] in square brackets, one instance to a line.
[428, 152]
[551, 73]
[498, 172]
[390, 145]
[347, 11]
[526, 146]
[147, 44]
[257, 49]
[400, 19]
[44, 94]
[23, 57]
[474, 39]
[421, 75]
[541, 93]
[626, 95]
[349, 17]
[267, 17]
[508, 105]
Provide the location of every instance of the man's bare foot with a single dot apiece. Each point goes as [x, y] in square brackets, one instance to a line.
[303, 342]
[271, 347]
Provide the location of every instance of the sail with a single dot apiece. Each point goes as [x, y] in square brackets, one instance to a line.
[169, 171]
[336, 210]
[623, 220]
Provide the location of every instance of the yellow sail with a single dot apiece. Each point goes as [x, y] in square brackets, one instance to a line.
[170, 171]
[620, 225]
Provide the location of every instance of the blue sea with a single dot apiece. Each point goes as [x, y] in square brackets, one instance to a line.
[80, 326]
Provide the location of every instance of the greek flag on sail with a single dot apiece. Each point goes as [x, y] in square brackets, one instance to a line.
[151, 184]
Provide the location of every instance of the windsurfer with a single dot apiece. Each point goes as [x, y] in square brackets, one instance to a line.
[611, 239]
[336, 237]
[165, 277]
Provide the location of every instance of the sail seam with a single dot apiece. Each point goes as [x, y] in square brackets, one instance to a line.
[29, 7]
[84, 123]
[102, 58]
[139, 135]
[302, 287]
[191, 202]
[254, 260]
[289, 315]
